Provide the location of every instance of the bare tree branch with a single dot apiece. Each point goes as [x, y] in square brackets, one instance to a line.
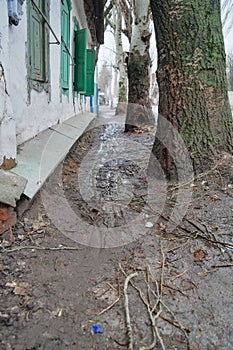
[125, 8]
[109, 8]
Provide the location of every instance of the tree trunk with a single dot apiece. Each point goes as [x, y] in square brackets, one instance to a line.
[122, 85]
[139, 112]
[192, 79]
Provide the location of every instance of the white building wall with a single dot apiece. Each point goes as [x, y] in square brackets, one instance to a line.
[7, 120]
[37, 113]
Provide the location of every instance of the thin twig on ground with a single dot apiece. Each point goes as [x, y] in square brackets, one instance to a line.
[225, 244]
[117, 299]
[178, 276]
[155, 311]
[5, 250]
[178, 324]
[176, 289]
[211, 240]
[219, 266]
[109, 307]
[198, 177]
[150, 310]
[195, 225]
[162, 271]
[148, 274]
[175, 324]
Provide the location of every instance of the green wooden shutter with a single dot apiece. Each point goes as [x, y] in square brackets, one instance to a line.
[37, 42]
[90, 72]
[80, 60]
[65, 43]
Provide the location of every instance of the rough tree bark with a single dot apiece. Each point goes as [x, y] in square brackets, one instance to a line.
[122, 85]
[192, 79]
[139, 112]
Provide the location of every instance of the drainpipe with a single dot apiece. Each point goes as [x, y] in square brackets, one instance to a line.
[96, 95]
[91, 104]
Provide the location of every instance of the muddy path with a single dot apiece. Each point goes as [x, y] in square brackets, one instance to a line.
[60, 275]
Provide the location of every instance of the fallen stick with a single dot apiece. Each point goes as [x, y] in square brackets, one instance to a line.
[178, 276]
[109, 307]
[217, 266]
[225, 244]
[150, 312]
[39, 248]
[162, 271]
[182, 328]
[177, 325]
[198, 177]
[176, 289]
[127, 315]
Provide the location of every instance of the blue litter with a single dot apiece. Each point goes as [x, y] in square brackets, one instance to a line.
[97, 328]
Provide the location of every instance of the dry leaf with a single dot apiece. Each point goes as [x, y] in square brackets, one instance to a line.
[161, 226]
[39, 223]
[20, 288]
[139, 131]
[70, 167]
[199, 254]
[20, 291]
[23, 284]
[12, 284]
[214, 197]
[193, 186]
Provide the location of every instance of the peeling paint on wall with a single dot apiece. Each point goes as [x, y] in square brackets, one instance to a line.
[7, 130]
[8, 163]
[21, 119]
[7, 120]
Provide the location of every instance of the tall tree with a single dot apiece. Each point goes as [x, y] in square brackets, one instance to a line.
[139, 112]
[113, 19]
[120, 64]
[105, 77]
[192, 79]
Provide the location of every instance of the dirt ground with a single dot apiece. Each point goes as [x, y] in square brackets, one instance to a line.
[167, 288]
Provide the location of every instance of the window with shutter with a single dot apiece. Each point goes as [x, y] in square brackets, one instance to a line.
[89, 91]
[38, 44]
[65, 45]
[80, 61]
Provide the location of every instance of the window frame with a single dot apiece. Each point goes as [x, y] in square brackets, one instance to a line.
[65, 42]
[90, 73]
[80, 61]
[38, 80]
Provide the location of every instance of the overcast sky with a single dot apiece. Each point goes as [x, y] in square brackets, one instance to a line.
[229, 41]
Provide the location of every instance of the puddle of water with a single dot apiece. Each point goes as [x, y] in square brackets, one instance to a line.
[116, 180]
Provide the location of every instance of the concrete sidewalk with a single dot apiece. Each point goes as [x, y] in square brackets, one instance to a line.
[38, 157]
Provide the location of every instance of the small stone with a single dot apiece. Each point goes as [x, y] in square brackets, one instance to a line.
[8, 346]
[149, 224]
[15, 310]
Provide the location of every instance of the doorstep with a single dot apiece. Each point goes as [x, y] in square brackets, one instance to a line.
[39, 157]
